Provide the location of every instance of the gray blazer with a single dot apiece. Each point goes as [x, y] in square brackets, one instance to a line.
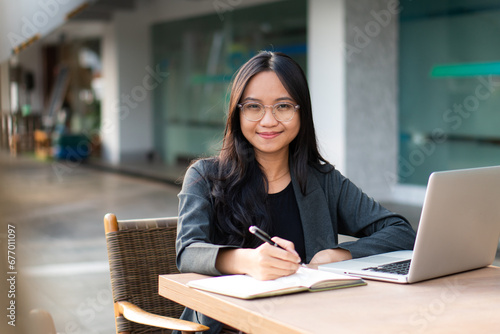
[332, 205]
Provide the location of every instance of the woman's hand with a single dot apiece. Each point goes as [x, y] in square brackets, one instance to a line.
[331, 255]
[265, 262]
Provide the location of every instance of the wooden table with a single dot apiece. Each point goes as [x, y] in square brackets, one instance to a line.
[463, 303]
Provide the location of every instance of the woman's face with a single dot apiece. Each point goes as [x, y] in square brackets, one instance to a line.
[268, 136]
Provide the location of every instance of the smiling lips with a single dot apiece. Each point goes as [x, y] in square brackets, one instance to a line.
[269, 135]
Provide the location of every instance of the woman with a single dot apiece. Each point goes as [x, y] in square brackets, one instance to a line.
[270, 173]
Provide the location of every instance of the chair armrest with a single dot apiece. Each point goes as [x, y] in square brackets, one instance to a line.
[40, 321]
[136, 314]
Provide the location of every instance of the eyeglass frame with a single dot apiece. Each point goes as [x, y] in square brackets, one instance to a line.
[273, 109]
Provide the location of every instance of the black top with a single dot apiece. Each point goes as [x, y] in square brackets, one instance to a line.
[286, 219]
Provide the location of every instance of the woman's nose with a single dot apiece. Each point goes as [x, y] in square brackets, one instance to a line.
[268, 119]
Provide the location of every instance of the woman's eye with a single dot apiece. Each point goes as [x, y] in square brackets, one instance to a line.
[253, 106]
[284, 106]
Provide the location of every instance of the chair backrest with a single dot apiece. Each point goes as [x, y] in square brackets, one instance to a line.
[138, 251]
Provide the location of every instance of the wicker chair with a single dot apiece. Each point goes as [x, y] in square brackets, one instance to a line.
[138, 251]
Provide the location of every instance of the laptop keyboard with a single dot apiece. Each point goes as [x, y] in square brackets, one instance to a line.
[398, 268]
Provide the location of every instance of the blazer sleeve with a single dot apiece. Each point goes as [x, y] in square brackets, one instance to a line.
[195, 251]
[378, 229]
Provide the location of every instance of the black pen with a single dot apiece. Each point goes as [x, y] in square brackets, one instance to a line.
[265, 237]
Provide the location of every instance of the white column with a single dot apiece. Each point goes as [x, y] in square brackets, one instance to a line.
[139, 78]
[326, 71]
[110, 123]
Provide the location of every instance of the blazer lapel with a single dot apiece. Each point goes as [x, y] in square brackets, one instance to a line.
[319, 231]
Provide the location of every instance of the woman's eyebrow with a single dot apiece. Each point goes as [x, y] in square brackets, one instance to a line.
[248, 98]
[284, 98]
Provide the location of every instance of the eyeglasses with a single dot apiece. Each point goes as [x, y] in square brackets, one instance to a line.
[255, 111]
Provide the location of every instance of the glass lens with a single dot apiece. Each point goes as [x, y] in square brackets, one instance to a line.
[284, 111]
[253, 111]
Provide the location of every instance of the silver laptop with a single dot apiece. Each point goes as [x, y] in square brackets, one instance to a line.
[459, 230]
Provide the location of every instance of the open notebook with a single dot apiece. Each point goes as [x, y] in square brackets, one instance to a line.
[247, 287]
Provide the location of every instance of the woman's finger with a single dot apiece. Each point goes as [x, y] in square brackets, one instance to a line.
[288, 246]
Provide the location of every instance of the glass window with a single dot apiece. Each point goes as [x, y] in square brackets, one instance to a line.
[449, 86]
[201, 55]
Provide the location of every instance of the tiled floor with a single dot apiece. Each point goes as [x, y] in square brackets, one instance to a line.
[62, 258]
[58, 210]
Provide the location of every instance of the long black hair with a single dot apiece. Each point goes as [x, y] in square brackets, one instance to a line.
[239, 185]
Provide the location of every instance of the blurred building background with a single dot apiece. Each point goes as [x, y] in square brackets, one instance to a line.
[399, 88]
